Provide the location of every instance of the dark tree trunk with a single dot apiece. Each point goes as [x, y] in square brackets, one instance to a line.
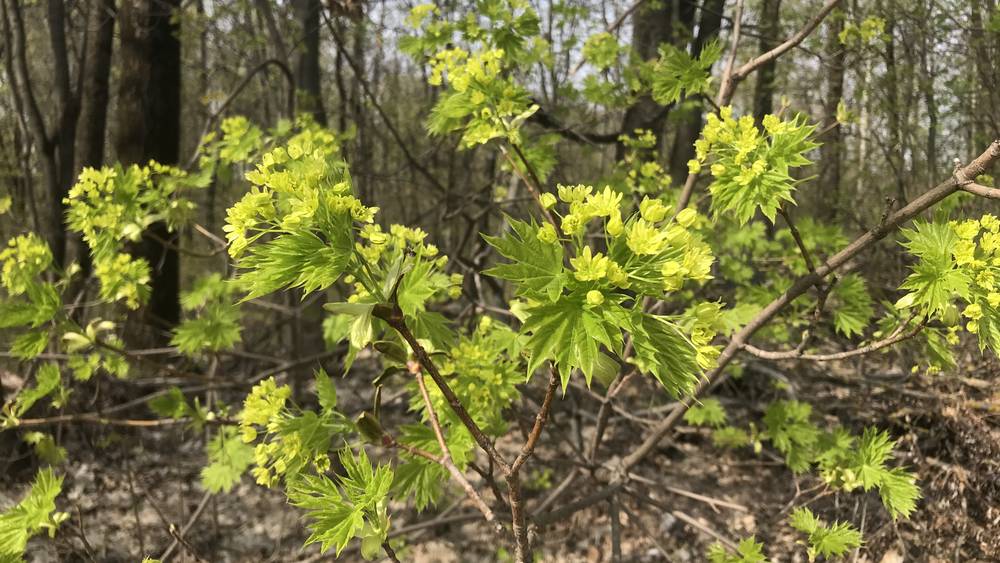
[149, 129]
[689, 125]
[651, 26]
[90, 135]
[770, 29]
[831, 152]
[94, 95]
[307, 69]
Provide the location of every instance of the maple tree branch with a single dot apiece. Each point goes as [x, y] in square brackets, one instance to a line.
[889, 224]
[897, 336]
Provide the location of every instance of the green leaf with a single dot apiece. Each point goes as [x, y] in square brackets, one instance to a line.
[748, 551]
[936, 280]
[899, 492]
[46, 381]
[421, 479]
[677, 73]
[852, 307]
[536, 266]
[663, 351]
[32, 515]
[228, 459]
[790, 430]
[823, 540]
[338, 514]
[30, 344]
[897, 487]
[170, 405]
[419, 285]
[326, 391]
[569, 333]
[297, 259]
[708, 413]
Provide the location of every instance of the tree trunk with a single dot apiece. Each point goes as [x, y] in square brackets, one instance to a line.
[831, 156]
[770, 29]
[149, 129]
[689, 125]
[90, 135]
[307, 70]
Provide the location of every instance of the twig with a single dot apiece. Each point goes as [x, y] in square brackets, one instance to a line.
[894, 338]
[179, 535]
[445, 459]
[616, 529]
[727, 74]
[728, 87]
[394, 318]
[893, 221]
[389, 552]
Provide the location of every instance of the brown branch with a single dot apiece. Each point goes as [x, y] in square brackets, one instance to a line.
[445, 459]
[897, 336]
[94, 418]
[394, 318]
[534, 185]
[728, 88]
[522, 545]
[727, 74]
[360, 76]
[980, 190]
[540, 419]
[801, 285]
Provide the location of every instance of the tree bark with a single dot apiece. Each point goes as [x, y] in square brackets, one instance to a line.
[149, 129]
[831, 152]
[770, 30]
[689, 125]
[307, 69]
[90, 134]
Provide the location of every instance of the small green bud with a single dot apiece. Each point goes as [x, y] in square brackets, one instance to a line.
[547, 234]
[687, 217]
[594, 297]
[547, 200]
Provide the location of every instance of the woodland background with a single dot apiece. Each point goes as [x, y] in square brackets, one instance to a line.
[89, 82]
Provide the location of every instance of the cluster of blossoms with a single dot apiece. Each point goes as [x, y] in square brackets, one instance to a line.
[644, 238]
[25, 257]
[978, 252]
[750, 167]
[303, 185]
[289, 446]
[376, 245]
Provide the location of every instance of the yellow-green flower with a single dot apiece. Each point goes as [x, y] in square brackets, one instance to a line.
[547, 233]
[645, 239]
[547, 200]
[615, 225]
[973, 311]
[571, 194]
[590, 267]
[653, 210]
[594, 297]
[603, 204]
[687, 217]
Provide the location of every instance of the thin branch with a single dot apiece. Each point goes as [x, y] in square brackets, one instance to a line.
[727, 74]
[445, 459]
[728, 86]
[764, 58]
[394, 318]
[94, 418]
[891, 222]
[540, 418]
[896, 337]
[373, 99]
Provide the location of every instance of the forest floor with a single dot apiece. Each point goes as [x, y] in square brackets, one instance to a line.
[126, 491]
